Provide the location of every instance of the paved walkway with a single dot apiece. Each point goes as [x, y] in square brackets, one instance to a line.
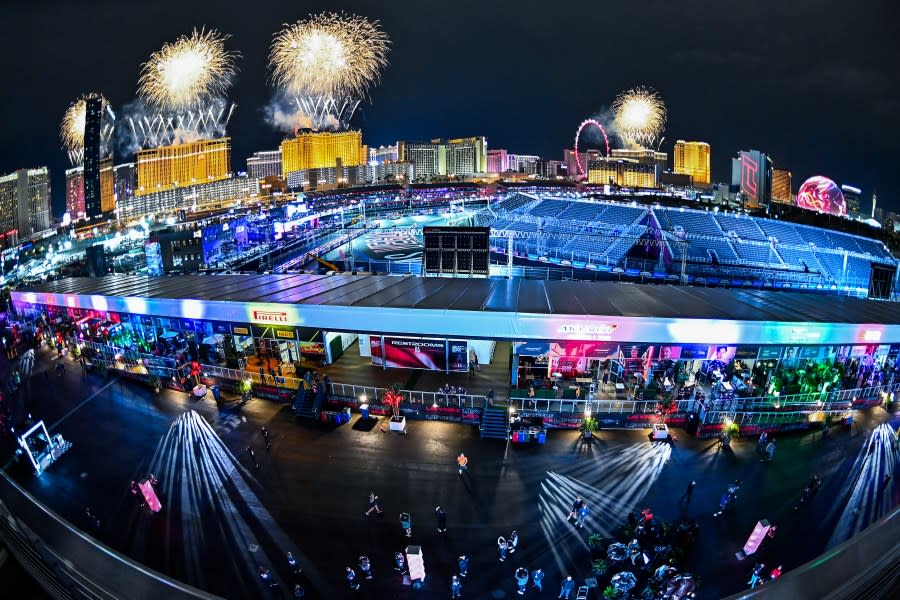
[223, 517]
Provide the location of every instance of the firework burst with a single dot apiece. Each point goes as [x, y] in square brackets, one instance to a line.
[71, 129]
[331, 56]
[188, 72]
[640, 115]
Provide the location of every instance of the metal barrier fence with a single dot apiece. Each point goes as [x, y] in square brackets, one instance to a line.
[827, 402]
[68, 563]
[568, 405]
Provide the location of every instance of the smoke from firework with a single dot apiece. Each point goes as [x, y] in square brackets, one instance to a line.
[640, 116]
[188, 72]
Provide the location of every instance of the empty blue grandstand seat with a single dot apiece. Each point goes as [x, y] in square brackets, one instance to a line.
[745, 227]
[694, 222]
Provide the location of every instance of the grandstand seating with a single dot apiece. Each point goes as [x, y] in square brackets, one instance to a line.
[549, 208]
[745, 227]
[699, 248]
[785, 233]
[582, 211]
[795, 258]
[617, 214]
[694, 222]
[603, 233]
[761, 253]
[833, 263]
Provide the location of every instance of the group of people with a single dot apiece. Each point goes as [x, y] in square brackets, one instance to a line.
[268, 578]
[765, 447]
[451, 394]
[506, 546]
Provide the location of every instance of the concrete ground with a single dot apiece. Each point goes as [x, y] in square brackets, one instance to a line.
[223, 517]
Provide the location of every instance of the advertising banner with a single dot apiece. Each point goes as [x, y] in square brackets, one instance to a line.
[746, 352]
[414, 353]
[313, 349]
[458, 353]
[769, 352]
[693, 351]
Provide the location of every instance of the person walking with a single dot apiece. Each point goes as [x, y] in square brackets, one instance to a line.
[406, 524]
[299, 592]
[292, 564]
[513, 541]
[350, 576]
[521, 576]
[761, 443]
[373, 504]
[455, 587]
[689, 492]
[252, 456]
[537, 579]
[266, 576]
[400, 563]
[441, 516]
[502, 547]
[776, 573]
[265, 434]
[463, 563]
[756, 575]
[583, 512]
[566, 587]
[576, 506]
[365, 567]
[462, 464]
[770, 451]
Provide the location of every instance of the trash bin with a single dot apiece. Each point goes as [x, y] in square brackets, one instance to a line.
[364, 411]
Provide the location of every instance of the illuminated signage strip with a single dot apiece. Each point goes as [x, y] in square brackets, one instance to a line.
[475, 324]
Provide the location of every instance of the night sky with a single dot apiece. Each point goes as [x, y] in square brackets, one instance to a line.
[813, 84]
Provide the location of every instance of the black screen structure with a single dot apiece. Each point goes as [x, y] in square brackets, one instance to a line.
[457, 251]
[881, 281]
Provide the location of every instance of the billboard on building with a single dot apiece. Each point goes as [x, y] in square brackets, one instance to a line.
[418, 353]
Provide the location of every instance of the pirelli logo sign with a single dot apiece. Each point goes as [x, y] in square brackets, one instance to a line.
[270, 316]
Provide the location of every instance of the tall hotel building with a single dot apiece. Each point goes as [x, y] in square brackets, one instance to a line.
[170, 167]
[322, 149]
[693, 158]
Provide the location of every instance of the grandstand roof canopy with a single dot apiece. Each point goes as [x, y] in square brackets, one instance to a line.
[489, 308]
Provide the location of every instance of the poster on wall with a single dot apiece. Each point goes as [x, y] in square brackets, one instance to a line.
[411, 353]
[746, 352]
[458, 354]
[667, 356]
[312, 349]
[636, 358]
[811, 352]
[719, 357]
[770, 352]
[570, 358]
[694, 351]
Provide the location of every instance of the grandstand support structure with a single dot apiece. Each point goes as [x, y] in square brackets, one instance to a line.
[509, 256]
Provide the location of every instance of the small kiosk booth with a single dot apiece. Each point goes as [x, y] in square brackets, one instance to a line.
[527, 430]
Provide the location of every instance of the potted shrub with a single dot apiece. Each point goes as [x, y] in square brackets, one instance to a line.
[595, 541]
[599, 567]
[588, 427]
[732, 429]
[155, 383]
[611, 593]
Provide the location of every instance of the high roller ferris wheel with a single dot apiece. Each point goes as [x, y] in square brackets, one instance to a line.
[585, 123]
